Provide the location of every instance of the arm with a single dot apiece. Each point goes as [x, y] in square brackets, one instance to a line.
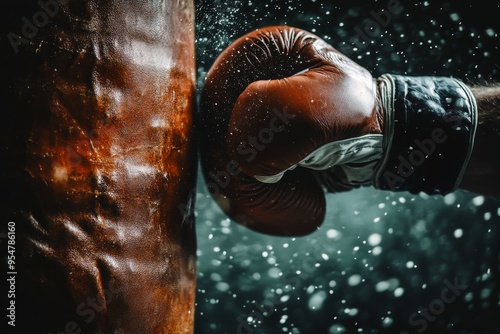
[483, 171]
[300, 118]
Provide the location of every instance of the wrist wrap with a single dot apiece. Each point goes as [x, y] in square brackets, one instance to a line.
[429, 128]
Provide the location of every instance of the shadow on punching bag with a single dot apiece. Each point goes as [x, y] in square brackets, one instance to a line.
[99, 165]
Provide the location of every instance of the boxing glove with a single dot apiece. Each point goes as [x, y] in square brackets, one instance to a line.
[286, 115]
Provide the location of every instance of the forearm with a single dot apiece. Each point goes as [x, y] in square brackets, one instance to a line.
[483, 171]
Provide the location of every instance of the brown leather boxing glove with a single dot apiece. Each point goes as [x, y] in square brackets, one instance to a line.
[285, 114]
[266, 105]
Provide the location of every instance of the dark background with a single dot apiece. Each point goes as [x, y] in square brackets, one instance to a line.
[380, 257]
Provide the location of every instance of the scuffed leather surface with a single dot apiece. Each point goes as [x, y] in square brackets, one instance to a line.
[422, 105]
[100, 149]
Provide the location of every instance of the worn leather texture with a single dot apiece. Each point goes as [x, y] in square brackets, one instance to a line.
[429, 132]
[100, 158]
[270, 99]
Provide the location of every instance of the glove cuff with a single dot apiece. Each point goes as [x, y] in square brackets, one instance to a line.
[429, 129]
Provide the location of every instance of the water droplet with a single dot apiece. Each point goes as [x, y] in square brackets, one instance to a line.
[337, 329]
[455, 17]
[478, 200]
[377, 250]
[399, 292]
[274, 272]
[222, 286]
[387, 322]
[374, 239]
[333, 234]
[449, 199]
[284, 298]
[382, 286]
[316, 300]
[354, 280]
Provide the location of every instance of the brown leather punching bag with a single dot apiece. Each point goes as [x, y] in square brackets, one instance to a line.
[99, 165]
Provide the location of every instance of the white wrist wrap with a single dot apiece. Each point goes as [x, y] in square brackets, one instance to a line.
[357, 157]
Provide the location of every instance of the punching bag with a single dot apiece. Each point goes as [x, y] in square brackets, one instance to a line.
[99, 165]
